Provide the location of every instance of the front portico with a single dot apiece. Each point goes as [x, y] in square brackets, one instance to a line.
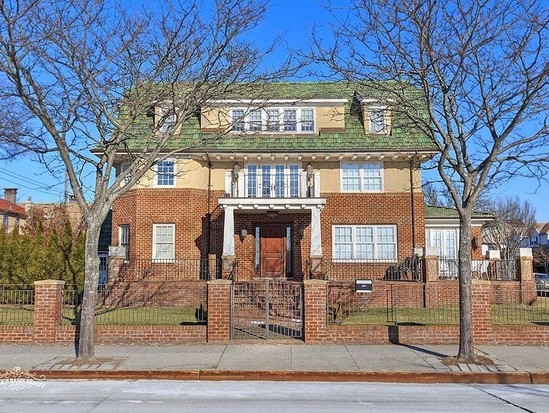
[273, 205]
[276, 228]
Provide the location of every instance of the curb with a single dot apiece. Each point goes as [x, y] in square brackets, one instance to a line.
[326, 376]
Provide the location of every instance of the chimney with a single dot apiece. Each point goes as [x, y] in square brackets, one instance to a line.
[10, 195]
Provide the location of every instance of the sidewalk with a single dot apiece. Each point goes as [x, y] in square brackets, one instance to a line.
[395, 363]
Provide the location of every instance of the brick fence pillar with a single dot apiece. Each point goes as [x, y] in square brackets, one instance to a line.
[482, 311]
[48, 308]
[525, 275]
[431, 264]
[315, 317]
[219, 310]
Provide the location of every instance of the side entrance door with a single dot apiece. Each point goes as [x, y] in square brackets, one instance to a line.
[273, 251]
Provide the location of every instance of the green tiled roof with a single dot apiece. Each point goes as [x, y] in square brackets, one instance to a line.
[352, 139]
[446, 212]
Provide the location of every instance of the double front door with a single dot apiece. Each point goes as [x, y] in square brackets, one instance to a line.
[273, 250]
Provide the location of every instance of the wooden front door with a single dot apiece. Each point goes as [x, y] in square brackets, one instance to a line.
[273, 251]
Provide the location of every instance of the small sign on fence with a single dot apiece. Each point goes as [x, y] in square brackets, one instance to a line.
[363, 286]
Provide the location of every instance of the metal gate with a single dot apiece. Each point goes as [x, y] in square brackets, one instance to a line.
[267, 309]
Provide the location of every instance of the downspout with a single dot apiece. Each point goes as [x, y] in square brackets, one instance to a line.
[209, 215]
[412, 204]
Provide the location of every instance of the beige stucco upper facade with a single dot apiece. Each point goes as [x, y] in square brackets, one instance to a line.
[190, 173]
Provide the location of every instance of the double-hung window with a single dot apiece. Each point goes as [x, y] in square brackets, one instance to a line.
[255, 120]
[165, 173]
[378, 120]
[290, 120]
[364, 242]
[362, 177]
[124, 240]
[307, 120]
[237, 118]
[163, 242]
[167, 117]
[273, 120]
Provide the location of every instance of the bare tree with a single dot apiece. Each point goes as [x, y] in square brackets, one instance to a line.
[471, 75]
[541, 258]
[512, 223]
[86, 71]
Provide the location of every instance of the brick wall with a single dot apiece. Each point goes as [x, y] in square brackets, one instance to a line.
[48, 328]
[188, 210]
[375, 209]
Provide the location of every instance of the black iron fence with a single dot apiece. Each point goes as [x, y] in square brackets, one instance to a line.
[407, 269]
[143, 303]
[389, 304]
[16, 304]
[188, 269]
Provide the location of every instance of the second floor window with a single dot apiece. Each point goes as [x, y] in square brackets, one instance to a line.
[165, 173]
[361, 177]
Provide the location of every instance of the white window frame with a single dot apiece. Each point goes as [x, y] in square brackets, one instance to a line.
[444, 249]
[166, 120]
[155, 243]
[378, 128]
[124, 239]
[246, 122]
[376, 243]
[157, 174]
[363, 176]
[289, 174]
[238, 120]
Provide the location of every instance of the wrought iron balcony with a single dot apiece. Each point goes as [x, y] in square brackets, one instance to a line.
[272, 183]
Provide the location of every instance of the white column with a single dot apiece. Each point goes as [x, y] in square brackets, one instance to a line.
[228, 232]
[316, 239]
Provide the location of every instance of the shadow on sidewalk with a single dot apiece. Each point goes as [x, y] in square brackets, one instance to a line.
[394, 339]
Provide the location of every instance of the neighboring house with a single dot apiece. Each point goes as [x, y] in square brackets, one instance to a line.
[539, 234]
[13, 215]
[313, 173]
[442, 233]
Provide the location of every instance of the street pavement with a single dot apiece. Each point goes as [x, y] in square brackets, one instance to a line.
[265, 361]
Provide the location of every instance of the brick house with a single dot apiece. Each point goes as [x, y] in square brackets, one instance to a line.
[13, 215]
[313, 177]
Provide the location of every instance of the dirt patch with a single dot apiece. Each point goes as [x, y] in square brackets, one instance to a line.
[480, 360]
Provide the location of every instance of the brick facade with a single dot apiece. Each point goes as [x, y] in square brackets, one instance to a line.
[187, 209]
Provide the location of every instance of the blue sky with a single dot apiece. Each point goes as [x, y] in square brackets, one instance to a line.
[293, 19]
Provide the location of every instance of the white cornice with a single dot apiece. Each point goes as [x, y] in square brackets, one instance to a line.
[263, 102]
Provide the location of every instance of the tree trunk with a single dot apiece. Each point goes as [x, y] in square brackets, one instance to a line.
[91, 280]
[466, 343]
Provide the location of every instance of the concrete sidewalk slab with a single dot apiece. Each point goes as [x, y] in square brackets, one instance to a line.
[240, 361]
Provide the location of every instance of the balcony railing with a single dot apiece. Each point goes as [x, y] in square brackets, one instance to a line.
[272, 184]
[481, 269]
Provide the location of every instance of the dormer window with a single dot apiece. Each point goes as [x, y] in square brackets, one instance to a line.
[277, 120]
[255, 120]
[238, 120]
[273, 120]
[167, 118]
[378, 120]
[290, 120]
